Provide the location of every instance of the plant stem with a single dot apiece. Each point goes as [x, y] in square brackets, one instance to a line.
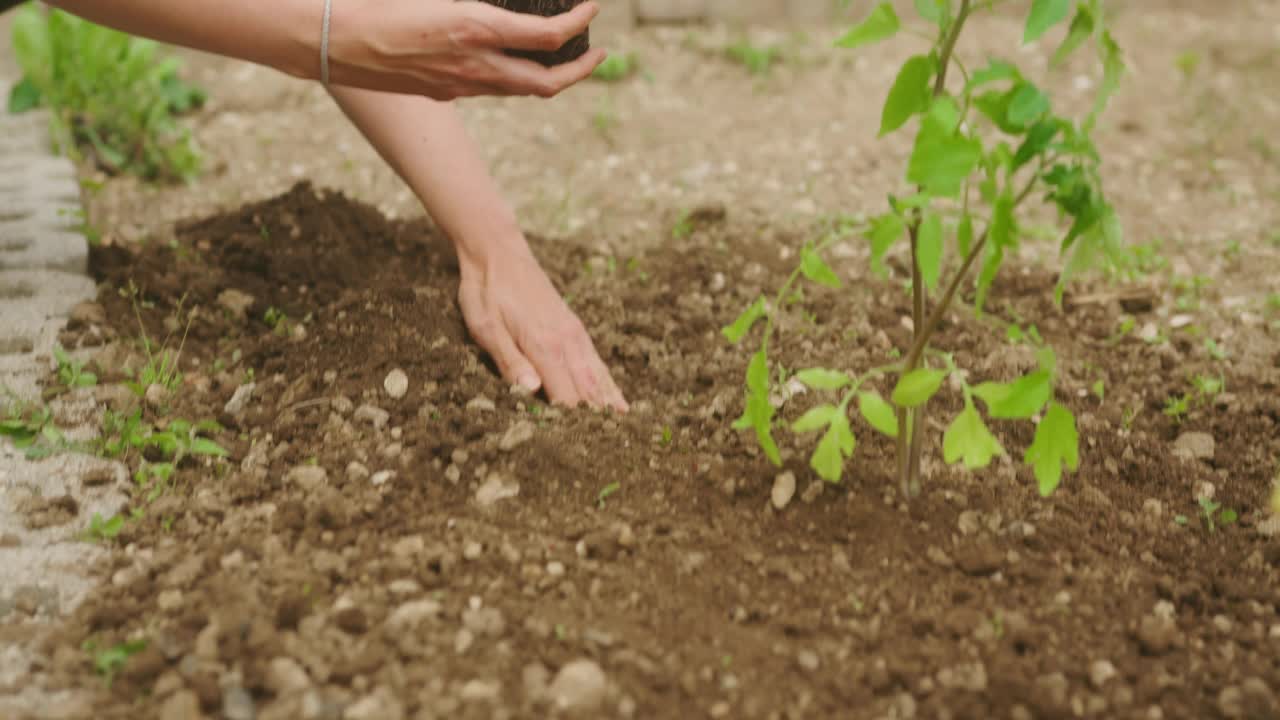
[911, 423]
[949, 47]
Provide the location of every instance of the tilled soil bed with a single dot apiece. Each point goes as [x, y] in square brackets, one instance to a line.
[450, 552]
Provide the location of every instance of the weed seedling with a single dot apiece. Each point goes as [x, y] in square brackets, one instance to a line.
[109, 661]
[31, 429]
[1216, 351]
[102, 529]
[987, 140]
[71, 372]
[1214, 515]
[756, 59]
[616, 68]
[1176, 407]
[606, 492]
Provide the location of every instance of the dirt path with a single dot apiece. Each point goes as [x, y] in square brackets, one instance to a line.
[450, 549]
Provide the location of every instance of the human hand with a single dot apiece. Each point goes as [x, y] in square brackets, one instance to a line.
[445, 50]
[515, 313]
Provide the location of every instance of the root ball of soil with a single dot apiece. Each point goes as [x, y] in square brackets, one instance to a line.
[571, 50]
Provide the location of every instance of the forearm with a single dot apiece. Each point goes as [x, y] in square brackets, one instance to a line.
[427, 144]
[282, 34]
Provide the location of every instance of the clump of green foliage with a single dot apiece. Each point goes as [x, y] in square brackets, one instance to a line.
[112, 97]
[987, 141]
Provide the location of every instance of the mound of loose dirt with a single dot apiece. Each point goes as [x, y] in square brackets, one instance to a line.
[452, 552]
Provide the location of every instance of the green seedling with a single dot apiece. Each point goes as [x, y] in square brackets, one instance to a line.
[71, 372]
[606, 492]
[756, 59]
[667, 436]
[683, 227]
[112, 98]
[986, 142]
[109, 661]
[1215, 350]
[31, 429]
[1208, 387]
[1100, 390]
[1128, 418]
[1126, 327]
[277, 320]
[1214, 515]
[102, 529]
[616, 68]
[1176, 407]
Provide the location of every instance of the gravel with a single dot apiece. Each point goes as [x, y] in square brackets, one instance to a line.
[495, 489]
[579, 687]
[784, 488]
[519, 434]
[1195, 446]
[396, 384]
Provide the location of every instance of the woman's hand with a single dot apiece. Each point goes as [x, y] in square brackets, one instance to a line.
[444, 50]
[515, 313]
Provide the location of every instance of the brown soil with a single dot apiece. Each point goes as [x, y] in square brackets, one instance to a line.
[695, 596]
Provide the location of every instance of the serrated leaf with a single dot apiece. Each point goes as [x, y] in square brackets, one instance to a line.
[916, 387]
[815, 419]
[929, 249]
[740, 327]
[1044, 15]
[885, 231]
[881, 24]
[816, 269]
[833, 450]
[1056, 445]
[823, 379]
[910, 94]
[942, 158]
[1019, 400]
[760, 413]
[878, 413]
[968, 439]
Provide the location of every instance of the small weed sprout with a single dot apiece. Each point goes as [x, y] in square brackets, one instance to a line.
[1214, 515]
[616, 68]
[1176, 407]
[71, 372]
[102, 529]
[109, 661]
[987, 141]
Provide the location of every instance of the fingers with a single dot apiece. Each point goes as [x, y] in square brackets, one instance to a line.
[492, 335]
[517, 76]
[591, 379]
[521, 31]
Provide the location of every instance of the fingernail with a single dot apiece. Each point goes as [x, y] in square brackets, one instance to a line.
[529, 382]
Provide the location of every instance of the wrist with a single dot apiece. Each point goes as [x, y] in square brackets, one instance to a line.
[478, 250]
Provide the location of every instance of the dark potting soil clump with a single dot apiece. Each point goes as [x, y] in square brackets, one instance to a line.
[572, 50]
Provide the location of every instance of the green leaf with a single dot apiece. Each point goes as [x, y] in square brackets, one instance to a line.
[942, 158]
[740, 327]
[24, 96]
[917, 386]
[203, 446]
[760, 416]
[995, 71]
[823, 379]
[758, 373]
[1082, 27]
[1019, 400]
[813, 267]
[881, 24]
[1026, 105]
[1056, 445]
[1044, 15]
[1037, 141]
[885, 231]
[815, 419]
[878, 413]
[929, 249]
[833, 450]
[910, 94]
[934, 11]
[968, 439]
